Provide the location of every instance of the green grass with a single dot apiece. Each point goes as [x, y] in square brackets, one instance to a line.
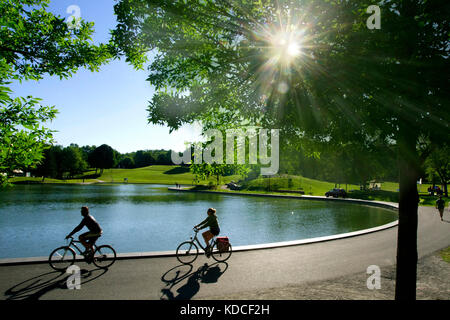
[158, 174]
[318, 188]
[445, 254]
[151, 174]
[50, 180]
[309, 186]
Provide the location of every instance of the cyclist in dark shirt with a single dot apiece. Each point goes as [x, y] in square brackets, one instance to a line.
[213, 224]
[87, 239]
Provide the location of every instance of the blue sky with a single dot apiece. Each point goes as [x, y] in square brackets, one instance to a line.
[108, 106]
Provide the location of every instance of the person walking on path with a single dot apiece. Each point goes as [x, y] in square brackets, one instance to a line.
[440, 205]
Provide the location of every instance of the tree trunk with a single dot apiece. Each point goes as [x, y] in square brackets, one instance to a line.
[408, 218]
[444, 188]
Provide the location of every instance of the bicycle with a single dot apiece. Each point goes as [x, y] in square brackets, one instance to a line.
[63, 257]
[188, 251]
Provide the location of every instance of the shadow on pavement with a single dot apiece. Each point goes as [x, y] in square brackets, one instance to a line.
[204, 274]
[34, 288]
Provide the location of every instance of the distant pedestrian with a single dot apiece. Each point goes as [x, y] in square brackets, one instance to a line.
[440, 205]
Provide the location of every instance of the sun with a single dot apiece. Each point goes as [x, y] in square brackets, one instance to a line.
[284, 55]
[285, 45]
[293, 49]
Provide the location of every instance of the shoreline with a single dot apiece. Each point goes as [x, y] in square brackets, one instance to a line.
[377, 203]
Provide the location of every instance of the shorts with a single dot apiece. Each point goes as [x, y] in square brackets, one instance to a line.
[91, 236]
[214, 230]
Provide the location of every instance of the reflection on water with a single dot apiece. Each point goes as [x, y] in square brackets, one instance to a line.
[34, 219]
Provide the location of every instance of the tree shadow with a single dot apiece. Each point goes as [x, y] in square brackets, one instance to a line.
[34, 288]
[177, 170]
[204, 274]
[382, 195]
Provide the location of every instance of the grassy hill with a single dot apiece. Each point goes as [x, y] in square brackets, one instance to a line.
[158, 174]
[389, 190]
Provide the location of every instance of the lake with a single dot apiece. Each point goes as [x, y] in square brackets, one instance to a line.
[34, 219]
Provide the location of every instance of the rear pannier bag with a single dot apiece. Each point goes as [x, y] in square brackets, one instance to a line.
[223, 244]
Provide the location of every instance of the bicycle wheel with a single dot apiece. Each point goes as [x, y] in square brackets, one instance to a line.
[221, 256]
[104, 256]
[61, 258]
[187, 252]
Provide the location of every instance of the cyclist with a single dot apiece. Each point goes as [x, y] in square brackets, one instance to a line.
[87, 239]
[213, 224]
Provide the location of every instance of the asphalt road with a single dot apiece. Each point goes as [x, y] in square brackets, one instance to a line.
[165, 278]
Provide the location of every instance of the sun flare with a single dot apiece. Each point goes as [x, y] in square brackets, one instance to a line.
[286, 45]
[293, 49]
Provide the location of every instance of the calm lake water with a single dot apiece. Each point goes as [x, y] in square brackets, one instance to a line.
[34, 219]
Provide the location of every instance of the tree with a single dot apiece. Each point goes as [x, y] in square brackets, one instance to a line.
[51, 163]
[127, 163]
[164, 158]
[58, 161]
[438, 164]
[103, 157]
[310, 68]
[203, 171]
[34, 43]
[143, 159]
[22, 138]
[86, 150]
[72, 161]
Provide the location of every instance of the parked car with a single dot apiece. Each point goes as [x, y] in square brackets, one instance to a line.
[336, 193]
[233, 186]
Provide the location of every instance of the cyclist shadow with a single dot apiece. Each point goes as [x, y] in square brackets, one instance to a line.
[204, 274]
[34, 288]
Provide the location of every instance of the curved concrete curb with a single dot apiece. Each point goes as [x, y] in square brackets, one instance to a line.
[156, 254]
[374, 203]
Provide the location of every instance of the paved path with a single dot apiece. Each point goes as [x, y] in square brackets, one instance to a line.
[247, 271]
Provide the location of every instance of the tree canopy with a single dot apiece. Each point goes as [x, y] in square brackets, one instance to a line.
[35, 43]
[311, 68]
[220, 59]
[103, 157]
